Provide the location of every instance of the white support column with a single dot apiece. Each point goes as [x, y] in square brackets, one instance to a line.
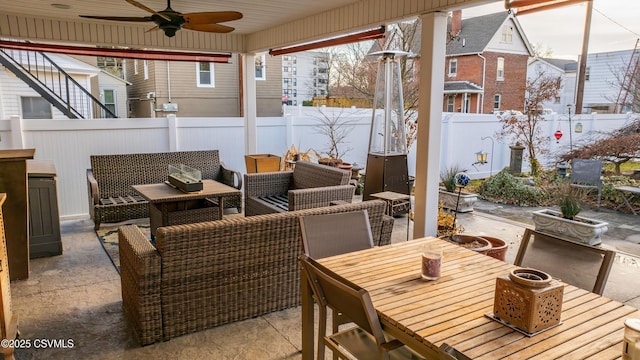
[172, 127]
[433, 49]
[17, 138]
[250, 108]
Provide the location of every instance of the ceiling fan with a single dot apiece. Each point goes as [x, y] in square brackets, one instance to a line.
[170, 21]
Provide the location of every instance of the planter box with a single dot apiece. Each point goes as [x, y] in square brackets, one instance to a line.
[585, 231]
[259, 163]
[464, 205]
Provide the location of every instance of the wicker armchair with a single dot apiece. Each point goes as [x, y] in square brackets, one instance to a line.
[308, 186]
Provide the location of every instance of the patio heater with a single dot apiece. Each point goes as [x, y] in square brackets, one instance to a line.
[387, 158]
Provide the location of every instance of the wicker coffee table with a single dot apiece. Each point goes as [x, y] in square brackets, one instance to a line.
[170, 206]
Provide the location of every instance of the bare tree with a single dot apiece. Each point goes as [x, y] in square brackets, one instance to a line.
[335, 127]
[526, 129]
[541, 51]
[626, 81]
[353, 73]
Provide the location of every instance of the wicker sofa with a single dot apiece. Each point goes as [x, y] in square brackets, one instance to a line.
[111, 198]
[308, 186]
[207, 274]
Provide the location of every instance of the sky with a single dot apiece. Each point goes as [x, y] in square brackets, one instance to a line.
[561, 30]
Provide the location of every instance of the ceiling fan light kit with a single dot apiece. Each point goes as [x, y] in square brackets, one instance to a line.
[170, 21]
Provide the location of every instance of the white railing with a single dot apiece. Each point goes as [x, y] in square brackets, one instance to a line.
[69, 143]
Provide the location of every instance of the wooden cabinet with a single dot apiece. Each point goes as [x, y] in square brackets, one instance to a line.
[44, 221]
[13, 182]
[8, 321]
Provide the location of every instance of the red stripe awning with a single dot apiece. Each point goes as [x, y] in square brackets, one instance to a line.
[347, 39]
[529, 6]
[117, 53]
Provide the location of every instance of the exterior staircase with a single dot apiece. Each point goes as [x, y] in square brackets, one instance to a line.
[49, 80]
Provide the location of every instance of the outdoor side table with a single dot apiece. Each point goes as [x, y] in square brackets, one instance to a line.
[628, 192]
[170, 206]
[397, 204]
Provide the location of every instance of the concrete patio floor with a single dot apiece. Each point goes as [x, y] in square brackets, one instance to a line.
[77, 296]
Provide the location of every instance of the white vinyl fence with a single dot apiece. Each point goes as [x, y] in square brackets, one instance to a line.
[69, 143]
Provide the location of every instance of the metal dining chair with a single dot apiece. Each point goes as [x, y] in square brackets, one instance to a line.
[366, 340]
[334, 234]
[580, 265]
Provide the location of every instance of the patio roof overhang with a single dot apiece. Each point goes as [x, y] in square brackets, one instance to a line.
[265, 25]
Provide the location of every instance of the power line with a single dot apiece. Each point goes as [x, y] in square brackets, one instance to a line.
[617, 23]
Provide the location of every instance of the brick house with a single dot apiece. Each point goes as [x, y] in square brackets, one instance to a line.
[486, 64]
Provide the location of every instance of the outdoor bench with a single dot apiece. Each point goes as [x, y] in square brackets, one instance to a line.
[109, 181]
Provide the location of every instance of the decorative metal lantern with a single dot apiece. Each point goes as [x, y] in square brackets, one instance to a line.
[387, 158]
[557, 135]
[529, 300]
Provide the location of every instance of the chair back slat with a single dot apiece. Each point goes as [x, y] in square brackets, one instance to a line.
[586, 171]
[334, 234]
[581, 265]
[308, 175]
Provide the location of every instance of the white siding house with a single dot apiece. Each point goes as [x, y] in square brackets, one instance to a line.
[17, 98]
[566, 70]
[113, 93]
[603, 77]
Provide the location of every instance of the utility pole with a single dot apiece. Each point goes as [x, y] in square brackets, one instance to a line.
[583, 59]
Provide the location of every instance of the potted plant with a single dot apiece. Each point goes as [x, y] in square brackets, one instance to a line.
[449, 193]
[449, 230]
[565, 223]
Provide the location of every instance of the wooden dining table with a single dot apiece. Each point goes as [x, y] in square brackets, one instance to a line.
[425, 314]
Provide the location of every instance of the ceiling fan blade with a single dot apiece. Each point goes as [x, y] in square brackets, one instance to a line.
[119, 18]
[214, 28]
[153, 29]
[147, 9]
[211, 17]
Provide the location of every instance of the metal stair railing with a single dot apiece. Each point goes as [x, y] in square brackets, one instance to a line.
[54, 84]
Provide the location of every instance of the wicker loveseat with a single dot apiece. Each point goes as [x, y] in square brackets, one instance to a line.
[111, 198]
[207, 274]
[308, 186]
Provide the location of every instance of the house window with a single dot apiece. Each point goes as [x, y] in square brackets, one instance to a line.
[500, 70]
[35, 108]
[496, 101]
[453, 67]
[587, 71]
[146, 69]
[109, 101]
[451, 102]
[205, 74]
[261, 67]
[135, 67]
[507, 34]
[557, 100]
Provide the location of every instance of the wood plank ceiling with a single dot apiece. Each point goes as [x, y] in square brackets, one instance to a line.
[266, 24]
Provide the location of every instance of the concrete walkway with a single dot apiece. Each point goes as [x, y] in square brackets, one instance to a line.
[77, 296]
[508, 222]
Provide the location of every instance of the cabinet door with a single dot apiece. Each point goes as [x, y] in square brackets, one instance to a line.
[8, 323]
